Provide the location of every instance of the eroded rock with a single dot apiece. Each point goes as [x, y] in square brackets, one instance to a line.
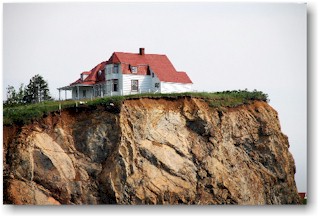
[154, 151]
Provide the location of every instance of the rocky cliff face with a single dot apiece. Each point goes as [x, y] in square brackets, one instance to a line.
[154, 151]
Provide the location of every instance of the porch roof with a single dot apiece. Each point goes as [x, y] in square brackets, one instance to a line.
[75, 85]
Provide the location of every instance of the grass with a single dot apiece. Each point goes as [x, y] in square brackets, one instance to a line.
[214, 99]
[25, 114]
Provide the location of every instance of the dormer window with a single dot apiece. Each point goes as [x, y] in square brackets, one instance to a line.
[83, 76]
[134, 69]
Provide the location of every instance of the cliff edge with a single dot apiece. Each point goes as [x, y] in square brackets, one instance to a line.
[151, 151]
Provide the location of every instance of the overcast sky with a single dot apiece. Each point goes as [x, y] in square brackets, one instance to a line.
[222, 46]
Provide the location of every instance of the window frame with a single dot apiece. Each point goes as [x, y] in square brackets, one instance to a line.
[132, 85]
[115, 66]
[109, 69]
[96, 90]
[115, 83]
[134, 69]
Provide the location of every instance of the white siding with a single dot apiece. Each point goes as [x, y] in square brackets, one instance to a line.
[155, 80]
[109, 68]
[88, 90]
[168, 87]
[145, 84]
[74, 93]
[111, 76]
[98, 90]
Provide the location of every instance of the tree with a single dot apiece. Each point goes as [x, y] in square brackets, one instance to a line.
[21, 94]
[37, 90]
[11, 95]
[14, 97]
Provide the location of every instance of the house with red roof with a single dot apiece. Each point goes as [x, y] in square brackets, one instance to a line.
[130, 73]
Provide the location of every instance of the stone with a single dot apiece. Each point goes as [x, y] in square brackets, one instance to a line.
[153, 151]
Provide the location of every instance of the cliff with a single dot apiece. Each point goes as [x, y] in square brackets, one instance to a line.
[151, 151]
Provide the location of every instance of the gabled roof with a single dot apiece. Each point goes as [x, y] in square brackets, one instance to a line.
[160, 64]
[93, 75]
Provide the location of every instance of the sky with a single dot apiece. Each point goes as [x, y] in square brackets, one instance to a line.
[222, 46]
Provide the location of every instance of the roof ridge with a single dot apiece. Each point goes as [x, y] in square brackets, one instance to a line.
[120, 52]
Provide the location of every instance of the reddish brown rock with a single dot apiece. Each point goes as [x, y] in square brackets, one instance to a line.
[154, 151]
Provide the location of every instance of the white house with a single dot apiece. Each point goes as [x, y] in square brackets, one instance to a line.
[130, 73]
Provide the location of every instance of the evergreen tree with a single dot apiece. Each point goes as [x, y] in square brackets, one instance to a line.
[37, 90]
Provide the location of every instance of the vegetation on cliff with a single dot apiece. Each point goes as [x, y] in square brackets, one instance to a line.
[36, 91]
[26, 113]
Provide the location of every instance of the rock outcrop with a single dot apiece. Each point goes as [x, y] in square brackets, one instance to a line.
[154, 151]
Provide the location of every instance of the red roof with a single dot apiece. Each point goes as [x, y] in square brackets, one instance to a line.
[86, 72]
[93, 75]
[159, 64]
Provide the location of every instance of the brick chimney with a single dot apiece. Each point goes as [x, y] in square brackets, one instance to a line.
[141, 51]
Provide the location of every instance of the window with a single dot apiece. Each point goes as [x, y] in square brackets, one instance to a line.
[109, 86]
[84, 93]
[76, 92]
[134, 85]
[116, 68]
[100, 90]
[104, 89]
[152, 74]
[109, 68]
[115, 85]
[134, 69]
[157, 85]
[96, 91]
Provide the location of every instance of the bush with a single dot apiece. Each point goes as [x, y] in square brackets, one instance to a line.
[235, 98]
[106, 101]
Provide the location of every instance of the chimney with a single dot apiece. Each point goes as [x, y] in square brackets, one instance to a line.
[141, 51]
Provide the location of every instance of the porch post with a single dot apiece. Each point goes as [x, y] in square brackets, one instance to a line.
[78, 92]
[59, 94]
[65, 94]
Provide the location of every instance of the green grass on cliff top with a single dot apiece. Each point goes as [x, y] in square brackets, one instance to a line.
[25, 114]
